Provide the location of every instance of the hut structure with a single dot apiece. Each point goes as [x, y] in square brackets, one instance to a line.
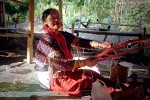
[30, 34]
[30, 37]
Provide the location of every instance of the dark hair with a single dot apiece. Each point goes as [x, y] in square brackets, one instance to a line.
[47, 12]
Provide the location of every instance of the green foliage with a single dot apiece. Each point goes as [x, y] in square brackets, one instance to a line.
[41, 5]
[123, 12]
[90, 9]
[12, 9]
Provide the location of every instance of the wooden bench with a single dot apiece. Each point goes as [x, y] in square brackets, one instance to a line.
[12, 32]
[92, 31]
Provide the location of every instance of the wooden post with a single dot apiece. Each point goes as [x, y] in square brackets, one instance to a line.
[60, 11]
[140, 24]
[79, 22]
[141, 52]
[72, 28]
[2, 14]
[31, 32]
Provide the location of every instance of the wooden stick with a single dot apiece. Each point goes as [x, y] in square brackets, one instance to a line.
[14, 35]
[19, 2]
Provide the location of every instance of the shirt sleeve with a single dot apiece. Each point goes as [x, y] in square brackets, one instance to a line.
[78, 41]
[49, 53]
[42, 50]
[61, 64]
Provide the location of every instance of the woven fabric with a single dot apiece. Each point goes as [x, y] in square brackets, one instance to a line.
[71, 83]
[78, 83]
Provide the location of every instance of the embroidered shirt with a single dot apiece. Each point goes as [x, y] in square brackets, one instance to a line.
[48, 48]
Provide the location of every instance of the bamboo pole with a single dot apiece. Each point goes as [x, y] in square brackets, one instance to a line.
[31, 31]
[19, 2]
[14, 35]
[72, 29]
[60, 11]
[2, 15]
[107, 32]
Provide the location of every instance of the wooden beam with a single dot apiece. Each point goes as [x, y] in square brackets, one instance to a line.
[107, 32]
[31, 32]
[14, 35]
[60, 11]
[19, 2]
[2, 15]
[54, 97]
